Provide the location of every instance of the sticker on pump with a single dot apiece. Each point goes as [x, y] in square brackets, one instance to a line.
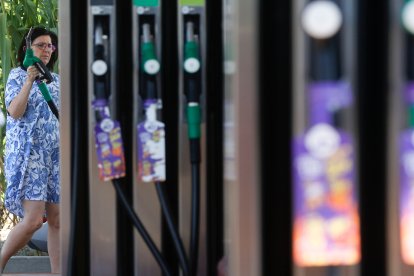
[151, 146]
[326, 221]
[152, 66]
[321, 19]
[109, 149]
[99, 67]
[408, 16]
[191, 65]
[407, 196]
[108, 144]
[406, 162]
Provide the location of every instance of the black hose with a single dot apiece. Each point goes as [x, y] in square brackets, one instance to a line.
[172, 228]
[141, 229]
[195, 216]
[54, 109]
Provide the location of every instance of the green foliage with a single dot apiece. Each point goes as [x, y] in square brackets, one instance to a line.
[16, 17]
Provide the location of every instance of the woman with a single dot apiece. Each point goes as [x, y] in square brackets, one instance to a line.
[32, 151]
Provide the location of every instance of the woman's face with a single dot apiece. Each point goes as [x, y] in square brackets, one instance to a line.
[43, 48]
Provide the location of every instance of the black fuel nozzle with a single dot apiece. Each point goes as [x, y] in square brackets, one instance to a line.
[99, 65]
[192, 64]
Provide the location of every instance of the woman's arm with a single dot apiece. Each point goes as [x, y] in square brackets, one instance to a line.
[18, 105]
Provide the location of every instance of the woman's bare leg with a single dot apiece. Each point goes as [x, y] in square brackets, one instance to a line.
[53, 236]
[20, 235]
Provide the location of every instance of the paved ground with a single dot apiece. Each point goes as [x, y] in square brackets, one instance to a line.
[26, 260]
[28, 264]
[25, 251]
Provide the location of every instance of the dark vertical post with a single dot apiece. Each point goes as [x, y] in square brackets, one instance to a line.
[123, 97]
[275, 79]
[79, 247]
[214, 134]
[372, 114]
[169, 92]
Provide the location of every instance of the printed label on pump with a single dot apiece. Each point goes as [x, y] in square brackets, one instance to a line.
[146, 3]
[109, 145]
[192, 2]
[326, 221]
[407, 196]
[151, 146]
[326, 98]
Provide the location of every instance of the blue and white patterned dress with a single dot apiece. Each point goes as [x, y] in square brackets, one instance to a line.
[31, 161]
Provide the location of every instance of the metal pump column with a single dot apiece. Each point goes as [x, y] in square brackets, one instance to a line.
[146, 52]
[324, 62]
[401, 147]
[192, 141]
[101, 85]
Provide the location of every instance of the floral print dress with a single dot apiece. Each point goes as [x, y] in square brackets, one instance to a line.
[31, 160]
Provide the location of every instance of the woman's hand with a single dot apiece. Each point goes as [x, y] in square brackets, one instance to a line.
[32, 73]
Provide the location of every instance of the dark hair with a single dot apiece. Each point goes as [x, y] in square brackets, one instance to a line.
[39, 31]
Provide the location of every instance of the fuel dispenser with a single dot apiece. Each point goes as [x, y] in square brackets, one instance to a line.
[326, 227]
[401, 133]
[192, 37]
[150, 136]
[102, 83]
[406, 142]
[100, 201]
[146, 53]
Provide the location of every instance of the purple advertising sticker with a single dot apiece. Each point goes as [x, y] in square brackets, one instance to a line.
[327, 97]
[326, 221]
[409, 93]
[109, 149]
[407, 195]
[151, 146]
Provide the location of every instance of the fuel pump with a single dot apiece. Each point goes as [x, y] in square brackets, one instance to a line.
[108, 139]
[151, 130]
[406, 142]
[106, 158]
[192, 102]
[325, 197]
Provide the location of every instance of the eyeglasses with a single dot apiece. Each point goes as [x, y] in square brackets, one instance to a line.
[43, 46]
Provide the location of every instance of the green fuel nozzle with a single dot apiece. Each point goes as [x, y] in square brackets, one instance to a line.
[30, 59]
[192, 83]
[150, 63]
[194, 120]
[45, 76]
[191, 50]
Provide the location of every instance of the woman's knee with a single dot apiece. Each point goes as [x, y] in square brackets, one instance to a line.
[53, 217]
[32, 224]
[54, 221]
